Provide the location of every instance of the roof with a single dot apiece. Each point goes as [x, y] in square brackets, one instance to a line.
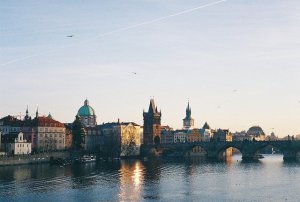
[152, 108]
[206, 126]
[127, 123]
[86, 110]
[10, 121]
[44, 121]
[255, 130]
[108, 125]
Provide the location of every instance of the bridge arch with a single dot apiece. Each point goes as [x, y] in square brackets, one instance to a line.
[228, 150]
[285, 148]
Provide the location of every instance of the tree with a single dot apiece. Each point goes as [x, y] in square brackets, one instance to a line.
[78, 133]
[128, 146]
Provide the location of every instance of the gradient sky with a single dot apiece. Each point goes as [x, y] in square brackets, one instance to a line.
[238, 62]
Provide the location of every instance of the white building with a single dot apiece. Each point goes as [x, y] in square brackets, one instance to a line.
[206, 132]
[180, 136]
[15, 144]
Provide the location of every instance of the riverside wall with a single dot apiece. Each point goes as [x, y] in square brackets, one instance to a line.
[33, 158]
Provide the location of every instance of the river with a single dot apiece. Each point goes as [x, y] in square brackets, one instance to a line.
[270, 179]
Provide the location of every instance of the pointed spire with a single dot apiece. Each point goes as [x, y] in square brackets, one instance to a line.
[27, 111]
[206, 126]
[37, 112]
[86, 102]
[152, 106]
[49, 116]
[188, 110]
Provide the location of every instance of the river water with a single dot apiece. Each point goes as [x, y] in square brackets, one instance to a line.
[270, 179]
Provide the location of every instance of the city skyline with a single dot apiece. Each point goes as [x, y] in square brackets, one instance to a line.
[237, 62]
[45, 114]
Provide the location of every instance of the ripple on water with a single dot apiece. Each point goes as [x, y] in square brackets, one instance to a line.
[184, 180]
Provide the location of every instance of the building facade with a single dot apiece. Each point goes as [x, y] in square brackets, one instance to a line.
[10, 124]
[206, 132]
[15, 144]
[44, 133]
[222, 135]
[180, 136]
[152, 125]
[121, 138]
[49, 134]
[167, 135]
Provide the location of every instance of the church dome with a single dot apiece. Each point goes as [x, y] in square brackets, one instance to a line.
[255, 130]
[86, 110]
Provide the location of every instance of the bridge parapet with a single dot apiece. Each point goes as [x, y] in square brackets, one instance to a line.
[249, 149]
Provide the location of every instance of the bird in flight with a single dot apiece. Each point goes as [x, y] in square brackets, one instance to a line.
[70, 35]
[134, 73]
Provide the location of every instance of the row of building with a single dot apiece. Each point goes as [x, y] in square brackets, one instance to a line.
[44, 133]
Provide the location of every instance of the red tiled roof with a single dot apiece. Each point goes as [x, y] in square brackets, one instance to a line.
[44, 121]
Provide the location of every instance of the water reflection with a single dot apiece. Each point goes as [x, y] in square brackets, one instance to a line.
[131, 178]
[157, 180]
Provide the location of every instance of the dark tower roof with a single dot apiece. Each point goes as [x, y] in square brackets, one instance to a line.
[152, 107]
[37, 112]
[188, 111]
[206, 126]
[27, 114]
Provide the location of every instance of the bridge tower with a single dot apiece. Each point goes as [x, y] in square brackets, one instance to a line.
[152, 125]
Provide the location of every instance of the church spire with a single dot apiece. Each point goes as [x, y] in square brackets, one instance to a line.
[27, 114]
[86, 102]
[188, 121]
[188, 110]
[27, 111]
[37, 112]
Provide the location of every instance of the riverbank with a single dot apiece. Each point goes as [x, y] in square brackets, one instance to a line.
[33, 158]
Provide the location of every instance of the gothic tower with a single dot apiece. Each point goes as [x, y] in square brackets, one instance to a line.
[188, 121]
[152, 125]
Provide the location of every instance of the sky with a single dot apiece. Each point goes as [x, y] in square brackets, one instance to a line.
[237, 61]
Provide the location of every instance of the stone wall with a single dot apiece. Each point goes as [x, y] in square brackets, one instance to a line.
[32, 159]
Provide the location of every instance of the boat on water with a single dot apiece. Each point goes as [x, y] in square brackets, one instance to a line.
[88, 158]
[260, 156]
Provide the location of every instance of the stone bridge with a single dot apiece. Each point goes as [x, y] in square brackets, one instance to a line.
[249, 149]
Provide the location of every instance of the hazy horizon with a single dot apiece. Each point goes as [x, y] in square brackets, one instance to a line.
[236, 61]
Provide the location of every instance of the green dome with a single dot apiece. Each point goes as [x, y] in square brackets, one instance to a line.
[86, 110]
